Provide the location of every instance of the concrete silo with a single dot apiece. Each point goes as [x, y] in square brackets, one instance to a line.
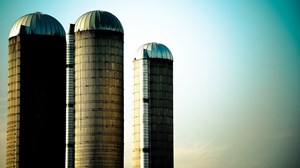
[153, 107]
[36, 93]
[99, 112]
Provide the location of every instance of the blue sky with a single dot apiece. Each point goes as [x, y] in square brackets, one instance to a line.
[236, 74]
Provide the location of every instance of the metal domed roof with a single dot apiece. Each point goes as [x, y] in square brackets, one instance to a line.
[98, 20]
[37, 23]
[154, 50]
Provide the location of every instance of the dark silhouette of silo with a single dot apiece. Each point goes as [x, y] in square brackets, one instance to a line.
[153, 107]
[99, 112]
[36, 93]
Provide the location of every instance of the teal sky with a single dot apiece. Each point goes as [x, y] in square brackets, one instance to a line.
[236, 74]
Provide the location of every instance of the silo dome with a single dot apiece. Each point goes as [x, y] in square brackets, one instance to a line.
[37, 23]
[98, 20]
[154, 50]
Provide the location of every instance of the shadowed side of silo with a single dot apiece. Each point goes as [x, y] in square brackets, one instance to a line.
[153, 107]
[99, 113]
[36, 93]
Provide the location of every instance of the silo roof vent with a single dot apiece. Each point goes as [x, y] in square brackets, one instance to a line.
[154, 50]
[37, 23]
[98, 20]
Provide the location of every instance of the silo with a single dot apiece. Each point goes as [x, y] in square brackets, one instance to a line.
[36, 93]
[153, 107]
[99, 113]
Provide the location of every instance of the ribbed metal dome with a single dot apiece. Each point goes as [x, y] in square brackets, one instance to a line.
[98, 20]
[37, 23]
[154, 50]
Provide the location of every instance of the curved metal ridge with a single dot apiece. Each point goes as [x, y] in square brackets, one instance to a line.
[98, 20]
[37, 23]
[154, 50]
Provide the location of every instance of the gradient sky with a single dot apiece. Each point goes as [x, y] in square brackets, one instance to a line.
[236, 74]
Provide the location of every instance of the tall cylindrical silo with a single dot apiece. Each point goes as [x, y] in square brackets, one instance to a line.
[70, 98]
[36, 93]
[153, 107]
[99, 113]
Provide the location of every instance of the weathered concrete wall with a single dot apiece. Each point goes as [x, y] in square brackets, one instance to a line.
[99, 111]
[36, 101]
[159, 112]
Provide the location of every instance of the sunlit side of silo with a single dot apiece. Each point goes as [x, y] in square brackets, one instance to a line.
[99, 112]
[153, 107]
[36, 93]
